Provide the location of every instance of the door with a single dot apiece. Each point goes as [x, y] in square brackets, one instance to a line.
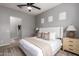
[15, 27]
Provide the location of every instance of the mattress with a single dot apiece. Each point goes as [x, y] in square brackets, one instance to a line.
[32, 50]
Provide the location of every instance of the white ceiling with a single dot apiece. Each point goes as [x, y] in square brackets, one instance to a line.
[44, 7]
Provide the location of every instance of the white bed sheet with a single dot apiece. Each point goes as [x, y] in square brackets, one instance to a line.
[54, 43]
[33, 50]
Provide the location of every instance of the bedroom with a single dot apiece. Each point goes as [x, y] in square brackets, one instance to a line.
[54, 24]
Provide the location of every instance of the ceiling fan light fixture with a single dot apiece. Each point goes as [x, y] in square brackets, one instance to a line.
[29, 8]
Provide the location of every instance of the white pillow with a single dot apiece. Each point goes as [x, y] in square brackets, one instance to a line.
[52, 36]
[39, 35]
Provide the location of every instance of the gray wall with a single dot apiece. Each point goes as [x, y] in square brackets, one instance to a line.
[27, 23]
[72, 10]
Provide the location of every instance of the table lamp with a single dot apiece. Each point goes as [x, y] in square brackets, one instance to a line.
[71, 31]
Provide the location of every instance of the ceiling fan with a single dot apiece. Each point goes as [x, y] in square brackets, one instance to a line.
[29, 6]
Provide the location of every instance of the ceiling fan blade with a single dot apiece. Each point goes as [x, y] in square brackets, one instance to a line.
[35, 7]
[32, 3]
[21, 5]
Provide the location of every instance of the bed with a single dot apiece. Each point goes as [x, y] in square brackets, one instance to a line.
[34, 46]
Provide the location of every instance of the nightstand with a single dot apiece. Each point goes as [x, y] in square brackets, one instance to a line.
[71, 44]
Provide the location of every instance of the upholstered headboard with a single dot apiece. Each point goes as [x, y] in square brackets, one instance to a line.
[58, 30]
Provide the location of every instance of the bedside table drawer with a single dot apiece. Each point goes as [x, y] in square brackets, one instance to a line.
[68, 48]
[69, 41]
[72, 50]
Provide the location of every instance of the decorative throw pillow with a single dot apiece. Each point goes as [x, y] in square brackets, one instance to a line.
[46, 35]
[42, 35]
[39, 35]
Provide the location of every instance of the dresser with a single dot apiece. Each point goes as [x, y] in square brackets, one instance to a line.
[71, 44]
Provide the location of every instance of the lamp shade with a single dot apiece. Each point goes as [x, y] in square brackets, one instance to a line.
[71, 28]
[37, 28]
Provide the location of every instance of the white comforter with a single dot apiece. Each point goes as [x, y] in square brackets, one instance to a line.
[32, 50]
